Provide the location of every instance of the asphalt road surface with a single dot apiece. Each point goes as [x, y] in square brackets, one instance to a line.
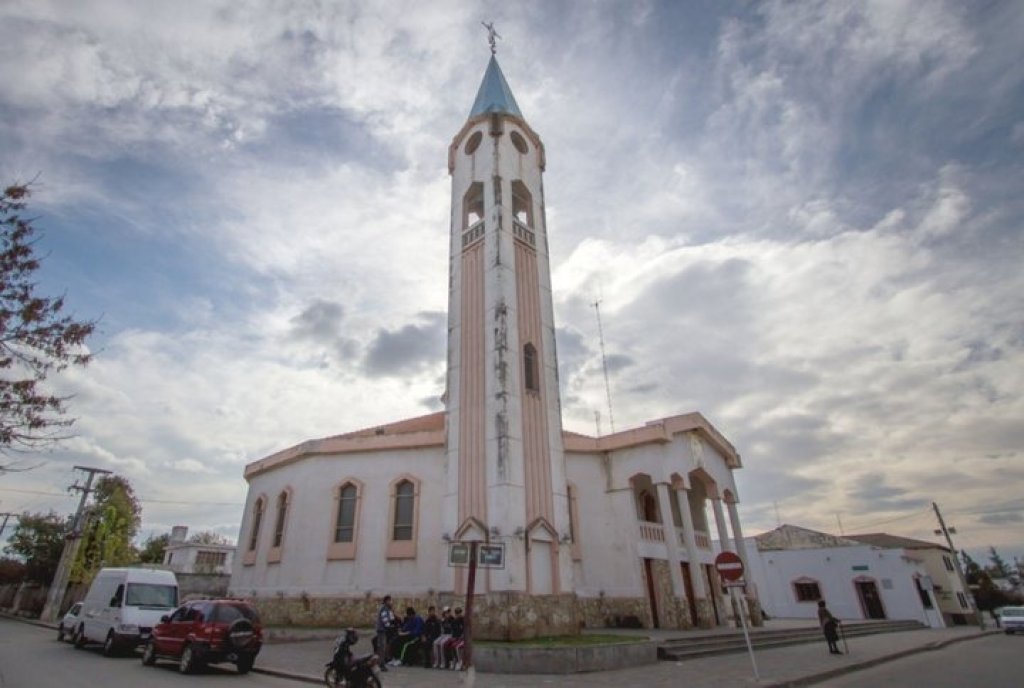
[31, 657]
[990, 662]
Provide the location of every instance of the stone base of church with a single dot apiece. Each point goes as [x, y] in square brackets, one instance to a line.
[498, 615]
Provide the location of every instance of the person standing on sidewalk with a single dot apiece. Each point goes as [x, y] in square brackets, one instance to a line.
[830, 626]
[385, 631]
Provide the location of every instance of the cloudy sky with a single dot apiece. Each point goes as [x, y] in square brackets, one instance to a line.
[802, 219]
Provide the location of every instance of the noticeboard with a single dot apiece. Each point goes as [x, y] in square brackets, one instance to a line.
[458, 554]
[491, 556]
[488, 555]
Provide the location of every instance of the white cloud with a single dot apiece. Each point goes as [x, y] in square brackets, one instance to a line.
[796, 227]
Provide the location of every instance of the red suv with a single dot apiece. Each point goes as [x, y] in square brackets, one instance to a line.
[207, 632]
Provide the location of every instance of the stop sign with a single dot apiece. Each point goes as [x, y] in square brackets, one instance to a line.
[729, 566]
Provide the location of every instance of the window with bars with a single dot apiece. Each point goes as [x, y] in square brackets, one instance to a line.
[211, 559]
[807, 591]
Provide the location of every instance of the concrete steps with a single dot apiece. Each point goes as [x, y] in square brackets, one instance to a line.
[692, 646]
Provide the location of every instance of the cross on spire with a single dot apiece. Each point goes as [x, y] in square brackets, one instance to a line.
[491, 36]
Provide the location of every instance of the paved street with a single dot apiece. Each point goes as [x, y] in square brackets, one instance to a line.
[778, 666]
[30, 657]
[992, 663]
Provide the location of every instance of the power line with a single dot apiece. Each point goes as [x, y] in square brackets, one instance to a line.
[140, 499]
[901, 517]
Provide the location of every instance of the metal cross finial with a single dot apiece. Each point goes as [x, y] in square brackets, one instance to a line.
[491, 35]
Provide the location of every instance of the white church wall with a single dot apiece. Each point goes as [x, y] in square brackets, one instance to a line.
[607, 531]
[313, 481]
[835, 569]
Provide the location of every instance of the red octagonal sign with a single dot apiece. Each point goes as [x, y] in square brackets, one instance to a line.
[729, 566]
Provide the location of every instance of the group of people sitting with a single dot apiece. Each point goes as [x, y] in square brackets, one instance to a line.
[435, 642]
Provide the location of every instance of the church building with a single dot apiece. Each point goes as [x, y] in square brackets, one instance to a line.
[580, 531]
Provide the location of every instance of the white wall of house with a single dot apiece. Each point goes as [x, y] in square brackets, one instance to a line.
[836, 569]
[196, 558]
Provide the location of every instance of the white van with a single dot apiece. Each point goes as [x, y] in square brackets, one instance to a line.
[123, 605]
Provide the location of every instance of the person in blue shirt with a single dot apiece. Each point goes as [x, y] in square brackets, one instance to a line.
[408, 636]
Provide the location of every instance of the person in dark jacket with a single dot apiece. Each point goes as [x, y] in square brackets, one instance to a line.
[437, 651]
[431, 632]
[830, 627]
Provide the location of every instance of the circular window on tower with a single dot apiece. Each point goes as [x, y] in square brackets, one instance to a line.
[473, 143]
[519, 142]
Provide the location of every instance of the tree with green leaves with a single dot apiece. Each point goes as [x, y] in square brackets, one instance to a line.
[11, 570]
[208, 537]
[153, 549]
[108, 538]
[38, 540]
[997, 568]
[37, 338]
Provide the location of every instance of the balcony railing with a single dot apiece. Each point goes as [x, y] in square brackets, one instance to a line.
[473, 233]
[523, 233]
[701, 538]
[652, 532]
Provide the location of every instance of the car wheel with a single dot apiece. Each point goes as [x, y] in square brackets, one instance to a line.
[110, 645]
[60, 633]
[79, 638]
[241, 633]
[187, 663]
[149, 654]
[245, 663]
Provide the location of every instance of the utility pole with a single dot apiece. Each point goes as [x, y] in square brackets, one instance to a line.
[55, 596]
[959, 568]
[3, 526]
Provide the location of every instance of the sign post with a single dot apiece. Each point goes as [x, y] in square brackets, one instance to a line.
[730, 569]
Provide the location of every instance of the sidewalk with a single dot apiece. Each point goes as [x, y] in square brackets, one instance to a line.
[795, 665]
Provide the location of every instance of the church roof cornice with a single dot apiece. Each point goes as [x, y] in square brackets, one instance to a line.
[656, 431]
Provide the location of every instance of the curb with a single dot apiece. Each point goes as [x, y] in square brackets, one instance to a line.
[868, 663]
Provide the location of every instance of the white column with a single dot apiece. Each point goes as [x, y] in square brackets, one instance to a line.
[671, 541]
[737, 534]
[696, 574]
[723, 539]
[723, 534]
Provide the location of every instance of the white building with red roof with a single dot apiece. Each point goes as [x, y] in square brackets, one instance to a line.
[591, 531]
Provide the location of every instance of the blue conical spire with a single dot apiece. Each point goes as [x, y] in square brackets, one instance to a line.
[494, 94]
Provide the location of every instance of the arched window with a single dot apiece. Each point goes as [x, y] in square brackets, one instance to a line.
[282, 518]
[345, 524]
[531, 374]
[405, 510]
[522, 203]
[404, 517]
[473, 205]
[647, 507]
[257, 520]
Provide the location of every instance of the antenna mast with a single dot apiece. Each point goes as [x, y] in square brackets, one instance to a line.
[604, 364]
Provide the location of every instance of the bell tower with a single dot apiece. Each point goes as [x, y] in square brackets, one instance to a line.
[505, 464]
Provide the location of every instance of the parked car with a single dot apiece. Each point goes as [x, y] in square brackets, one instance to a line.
[207, 632]
[68, 623]
[1012, 619]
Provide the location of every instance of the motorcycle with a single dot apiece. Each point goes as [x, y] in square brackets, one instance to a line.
[348, 671]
